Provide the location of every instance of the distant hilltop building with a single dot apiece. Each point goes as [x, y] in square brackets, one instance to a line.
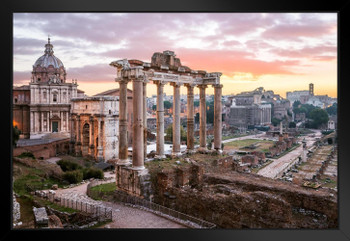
[308, 97]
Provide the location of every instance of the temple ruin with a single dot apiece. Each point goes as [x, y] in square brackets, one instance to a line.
[164, 68]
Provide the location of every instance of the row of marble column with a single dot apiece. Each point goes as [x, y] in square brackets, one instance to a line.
[38, 118]
[139, 143]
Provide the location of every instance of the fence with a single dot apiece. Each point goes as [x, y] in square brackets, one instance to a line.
[99, 212]
[163, 211]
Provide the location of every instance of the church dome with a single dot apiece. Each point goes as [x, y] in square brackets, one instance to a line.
[48, 58]
[48, 67]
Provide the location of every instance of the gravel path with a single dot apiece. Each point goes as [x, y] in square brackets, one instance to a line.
[123, 216]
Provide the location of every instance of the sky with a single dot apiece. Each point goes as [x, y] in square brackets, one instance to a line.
[278, 51]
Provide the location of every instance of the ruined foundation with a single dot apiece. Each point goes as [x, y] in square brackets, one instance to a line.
[133, 181]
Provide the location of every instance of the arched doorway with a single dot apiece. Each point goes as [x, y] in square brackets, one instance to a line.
[86, 139]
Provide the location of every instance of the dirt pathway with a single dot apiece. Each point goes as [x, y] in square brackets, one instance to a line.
[123, 216]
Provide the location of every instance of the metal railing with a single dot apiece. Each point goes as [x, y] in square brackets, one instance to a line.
[98, 211]
[163, 211]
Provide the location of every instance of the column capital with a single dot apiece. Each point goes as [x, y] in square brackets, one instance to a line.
[159, 82]
[175, 84]
[202, 86]
[122, 80]
[219, 86]
[188, 85]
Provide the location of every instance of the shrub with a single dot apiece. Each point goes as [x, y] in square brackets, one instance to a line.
[92, 172]
[68, 165]
[73, 176]
[26, 155]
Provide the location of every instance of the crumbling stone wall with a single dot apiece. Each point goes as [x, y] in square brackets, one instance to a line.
[236, 200]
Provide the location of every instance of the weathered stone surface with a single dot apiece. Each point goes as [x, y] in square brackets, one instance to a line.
[237, 200]
[41, 218]
[55, 222]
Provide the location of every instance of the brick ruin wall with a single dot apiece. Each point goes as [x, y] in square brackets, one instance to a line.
[44, 151]
[237, 200]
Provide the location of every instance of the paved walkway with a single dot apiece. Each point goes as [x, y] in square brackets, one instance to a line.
[275, 168]
[123, 216]
[244, 137]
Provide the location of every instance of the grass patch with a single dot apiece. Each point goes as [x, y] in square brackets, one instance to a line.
[103, 191]
[105, 188]
[55, 206]
[27, 179]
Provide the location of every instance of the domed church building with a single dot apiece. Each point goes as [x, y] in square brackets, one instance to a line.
[50, 97]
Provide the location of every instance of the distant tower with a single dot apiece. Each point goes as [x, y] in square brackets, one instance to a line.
[311, 89]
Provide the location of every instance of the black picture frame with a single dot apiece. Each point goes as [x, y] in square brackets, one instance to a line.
[340, 7]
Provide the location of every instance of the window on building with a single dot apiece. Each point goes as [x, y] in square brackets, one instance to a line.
[15, 100]
[54, 98]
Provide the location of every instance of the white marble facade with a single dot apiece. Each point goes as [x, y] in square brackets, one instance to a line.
[95, 127]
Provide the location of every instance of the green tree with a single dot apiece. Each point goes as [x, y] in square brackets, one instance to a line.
[169, 133]
[319, 117]
[275, 121]
[332, 110]
[292, 125]
[296, 104]
[15, 135]
[210, 112]
[167, 104]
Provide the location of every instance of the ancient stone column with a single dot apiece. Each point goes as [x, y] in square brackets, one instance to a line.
[176, 120]
[61, 122]
[217, 117]
[92, 146]
[138, 129]
[48, 121]
[42, 121]
[123, 123]
[78, 136]
[190, 118]
[72, 140]
[145, 118]
[160, 120]
[79, 130]
[100, 137]
[31, 121]
[91, 140]
[202, 118]
[67, 121]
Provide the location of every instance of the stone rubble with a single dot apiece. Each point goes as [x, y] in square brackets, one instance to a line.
[16, 212]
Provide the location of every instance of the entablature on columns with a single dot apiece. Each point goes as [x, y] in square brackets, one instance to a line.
[163, 70]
